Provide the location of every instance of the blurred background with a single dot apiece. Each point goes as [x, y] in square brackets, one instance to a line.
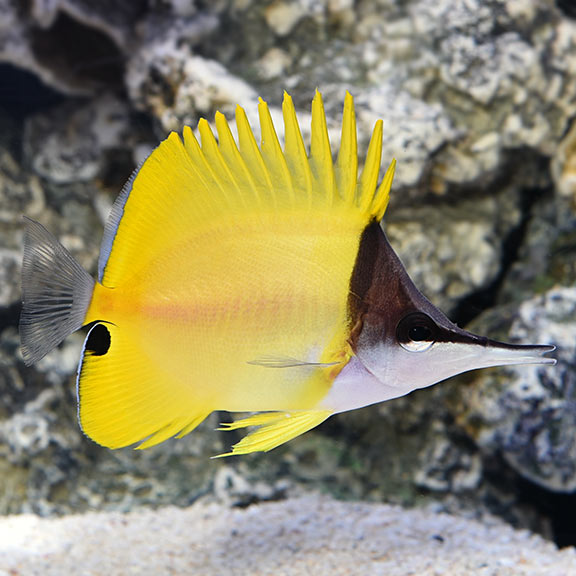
[478, 99]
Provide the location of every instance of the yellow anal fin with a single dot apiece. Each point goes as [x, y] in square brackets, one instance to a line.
[275, 428]
[126, 400]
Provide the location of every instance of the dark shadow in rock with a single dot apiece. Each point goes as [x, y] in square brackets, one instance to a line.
[22, 94]
[568, 7]
[10, 315]
[82, 56]
[559, 508]
[477, 302]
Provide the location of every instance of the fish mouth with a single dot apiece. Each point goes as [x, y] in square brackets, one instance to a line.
[513, 354]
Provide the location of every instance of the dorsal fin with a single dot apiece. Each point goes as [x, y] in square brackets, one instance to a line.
[197, 185]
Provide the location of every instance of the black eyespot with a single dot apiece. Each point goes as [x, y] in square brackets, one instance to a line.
[416, 332]
[98, 340]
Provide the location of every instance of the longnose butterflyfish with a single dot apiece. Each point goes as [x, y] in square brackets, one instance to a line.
[246, 278]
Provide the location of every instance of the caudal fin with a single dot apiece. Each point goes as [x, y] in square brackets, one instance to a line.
[56, 292]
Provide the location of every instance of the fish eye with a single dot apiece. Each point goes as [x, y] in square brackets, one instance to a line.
[416, 332]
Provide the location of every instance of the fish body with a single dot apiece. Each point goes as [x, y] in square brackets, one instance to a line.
[244, 278]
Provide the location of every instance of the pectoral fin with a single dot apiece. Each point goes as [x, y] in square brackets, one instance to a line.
[271, 361]
[274, 428]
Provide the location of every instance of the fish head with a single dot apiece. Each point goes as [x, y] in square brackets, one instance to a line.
[418, 348]
[402, 340]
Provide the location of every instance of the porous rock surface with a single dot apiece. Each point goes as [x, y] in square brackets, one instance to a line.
[302, 536]
[528, 415]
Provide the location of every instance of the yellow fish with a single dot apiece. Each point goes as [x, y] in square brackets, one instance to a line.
[245, 278]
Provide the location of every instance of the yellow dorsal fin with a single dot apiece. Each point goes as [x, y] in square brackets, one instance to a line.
[217, 164]
[204, 159]
[382, 196]
[321, 152]
[295, 151]
[367, 185]
[186, 185]
[347, 164]
[232, 156]
[274, 429]
[274, 157]
[251, 154]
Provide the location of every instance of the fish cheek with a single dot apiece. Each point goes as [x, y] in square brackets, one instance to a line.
[370, 346]
[371, 336]
[98, 340]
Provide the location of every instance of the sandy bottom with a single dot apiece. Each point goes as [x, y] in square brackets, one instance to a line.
[311, 535]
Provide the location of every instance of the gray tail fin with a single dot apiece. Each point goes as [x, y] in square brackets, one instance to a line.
[56, 292]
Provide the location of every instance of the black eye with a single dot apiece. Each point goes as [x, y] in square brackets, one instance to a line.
[420, 333]
[416, 332]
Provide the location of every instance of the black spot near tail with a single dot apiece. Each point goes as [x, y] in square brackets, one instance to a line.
[98, 340]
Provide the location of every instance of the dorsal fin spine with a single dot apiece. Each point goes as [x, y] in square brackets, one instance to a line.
[320, 151]
[219, 168]
[347, 162]
[202, 158]
[295, 151]
[272, 154]
[232, 155]
[196, 155]
[382, 196]
[251, 154]
[367, 186]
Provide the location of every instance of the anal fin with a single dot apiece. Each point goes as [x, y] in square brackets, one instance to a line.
[274, 429]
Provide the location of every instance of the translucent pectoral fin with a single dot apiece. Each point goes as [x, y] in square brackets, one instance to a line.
[275, 428]
[273, 361]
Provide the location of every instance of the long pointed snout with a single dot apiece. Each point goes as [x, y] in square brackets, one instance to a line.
[468, 351]
[429, 348]
[503, 354]
[460, 351]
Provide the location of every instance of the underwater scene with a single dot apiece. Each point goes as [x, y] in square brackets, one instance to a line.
[288, 287]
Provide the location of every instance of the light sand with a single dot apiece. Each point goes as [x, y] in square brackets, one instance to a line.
[311, 536]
